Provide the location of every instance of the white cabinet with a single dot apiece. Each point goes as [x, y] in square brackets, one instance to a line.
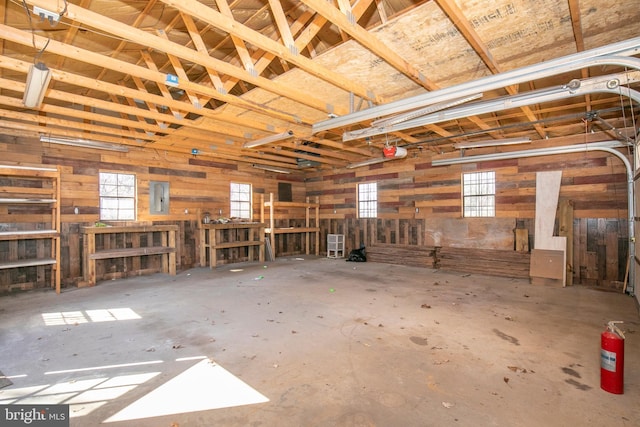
[335, 245]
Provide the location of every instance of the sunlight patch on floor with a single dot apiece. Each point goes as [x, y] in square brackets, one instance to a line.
[100, 315]
[82, 396]
[203, 387]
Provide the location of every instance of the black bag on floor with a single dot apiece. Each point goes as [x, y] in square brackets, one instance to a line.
[358, 255]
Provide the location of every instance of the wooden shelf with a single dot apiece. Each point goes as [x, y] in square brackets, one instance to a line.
[28, 234]
[30, 204]
[128, 235]
[227, 239]
[23, 201]
[312, 222]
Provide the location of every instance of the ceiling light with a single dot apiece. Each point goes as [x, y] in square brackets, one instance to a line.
[268, 139]
[492, 143]
[37, 82]
[272, 168]
[84, 143]
[390, 121]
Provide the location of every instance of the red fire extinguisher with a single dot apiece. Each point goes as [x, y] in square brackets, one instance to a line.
[612, 359]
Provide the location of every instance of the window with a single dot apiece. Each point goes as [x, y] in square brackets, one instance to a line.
[117, 196]
[478, 190]
[240, 200]
[368, 200]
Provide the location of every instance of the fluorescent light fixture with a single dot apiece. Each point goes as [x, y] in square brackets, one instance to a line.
[272, 168]
[38, 79]
[84, 143]
[549, 151]
[390, 121]
[388, 124]
[268, 139]
[491, 143]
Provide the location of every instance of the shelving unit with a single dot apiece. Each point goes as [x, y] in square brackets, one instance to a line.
[128, 242]
[335, 245]
[228, 240]
[312, 222]
[30, 208]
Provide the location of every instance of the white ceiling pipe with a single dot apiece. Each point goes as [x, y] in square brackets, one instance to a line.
[608, 84]
[606, 146]
[612, 54]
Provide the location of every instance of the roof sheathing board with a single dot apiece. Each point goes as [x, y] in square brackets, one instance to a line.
[601, 21]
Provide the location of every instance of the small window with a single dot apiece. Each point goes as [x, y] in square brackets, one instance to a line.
[368, 200]
[479, 194]
[240, 200]
[117, 196]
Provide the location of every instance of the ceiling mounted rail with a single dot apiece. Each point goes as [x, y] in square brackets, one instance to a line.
[613, 83]
[613, 54]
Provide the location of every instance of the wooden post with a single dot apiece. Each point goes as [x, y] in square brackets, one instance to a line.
[89, 264]
[565, 228]
[272, 225]
[307, 224]
[172, 255]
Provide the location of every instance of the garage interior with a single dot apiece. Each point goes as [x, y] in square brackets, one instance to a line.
[183, 183]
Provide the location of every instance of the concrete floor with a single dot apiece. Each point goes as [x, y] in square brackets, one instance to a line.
[319, 342]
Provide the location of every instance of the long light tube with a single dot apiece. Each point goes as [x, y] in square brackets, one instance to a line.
[37, 81]
[552, 67]
[268, 139]
[390, 121]
[492, 143]
[605, 145]
[84, 143]
[272, 168]
[386, 124]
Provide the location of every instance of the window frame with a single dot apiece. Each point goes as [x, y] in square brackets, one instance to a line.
[363, 210]
[481, 209]
[248, 203]
[104, 197]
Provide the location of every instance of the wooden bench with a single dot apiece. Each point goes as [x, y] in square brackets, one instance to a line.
[215, 237]
[131, 235]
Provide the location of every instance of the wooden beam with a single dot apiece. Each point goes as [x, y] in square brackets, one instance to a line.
[119, 29]
[241, 49]
[222, 22]
[576, 24]
[283, 25]
[366, 39]
[126, 68]
[215, 117]
[143, 15]
[456, 16]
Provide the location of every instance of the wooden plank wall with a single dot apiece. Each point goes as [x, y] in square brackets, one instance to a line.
[197, 184]
[415, 195]
[416, 200]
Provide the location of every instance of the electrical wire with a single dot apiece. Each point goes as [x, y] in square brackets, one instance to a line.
[77, 27]
[33, 36]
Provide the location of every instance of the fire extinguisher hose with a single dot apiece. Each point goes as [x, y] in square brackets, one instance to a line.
[614, 329]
